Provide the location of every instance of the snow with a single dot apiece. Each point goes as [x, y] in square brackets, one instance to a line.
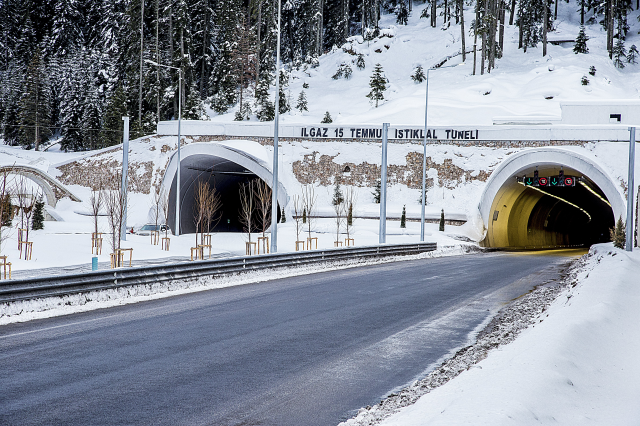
[575, 364]
[518, 86]
[574, 360]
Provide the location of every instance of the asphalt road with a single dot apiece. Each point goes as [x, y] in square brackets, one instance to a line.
[307, 350]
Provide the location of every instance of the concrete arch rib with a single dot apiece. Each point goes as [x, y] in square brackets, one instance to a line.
[518, 162]
[53, 190]
[236, 155]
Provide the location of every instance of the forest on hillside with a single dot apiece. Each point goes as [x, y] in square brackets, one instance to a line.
[70, 69]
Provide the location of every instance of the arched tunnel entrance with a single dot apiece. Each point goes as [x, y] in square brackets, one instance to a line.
[528, 217]
[223, 167]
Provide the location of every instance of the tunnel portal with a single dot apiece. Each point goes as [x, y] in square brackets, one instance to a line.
[527, 217]
[224, 166]
[220, 173]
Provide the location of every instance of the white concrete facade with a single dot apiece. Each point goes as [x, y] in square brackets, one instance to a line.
[409, 133]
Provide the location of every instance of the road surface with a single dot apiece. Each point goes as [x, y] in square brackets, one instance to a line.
[308, 350]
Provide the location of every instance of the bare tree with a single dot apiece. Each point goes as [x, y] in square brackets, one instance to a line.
[350, 198]
[308, 203]
[247, 207]
[213, 212]
[96, 201]
[199, 208]
[163, 197]
[6, 210]
[339, 209]
[297, 216]
[157, 205]
[30, 201]
[114, 201]
[262, 192]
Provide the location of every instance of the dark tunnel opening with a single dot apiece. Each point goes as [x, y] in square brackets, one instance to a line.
[226, 176]
[573, 216]
[526, 217]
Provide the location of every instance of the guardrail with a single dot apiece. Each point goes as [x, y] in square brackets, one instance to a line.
[61, 285]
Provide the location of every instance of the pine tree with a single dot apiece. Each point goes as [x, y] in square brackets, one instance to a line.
[359, 61]
[592, 70]
[112, 126]
[441, 227]
[376, 191]
[618, 234]
[302, 102]
[633, 54]
[338, 196]
[581, 42]
[327, 118]
[7, 210]
[283, 216]
[584, 80]
[193, 108]
[37, 222]
[35, 111]
[403, 218]
[304, 215]
[418, 76]
[378, 84]
[402, 13]
[74, 97]
[619, 54]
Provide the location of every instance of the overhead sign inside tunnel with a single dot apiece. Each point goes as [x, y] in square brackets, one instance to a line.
[550, 181]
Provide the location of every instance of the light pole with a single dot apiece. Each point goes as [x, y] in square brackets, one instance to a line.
[424, 153]
[630, 189]
[176, 231]
[274, 189]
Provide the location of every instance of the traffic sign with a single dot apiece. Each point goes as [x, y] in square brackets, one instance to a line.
[543, 181]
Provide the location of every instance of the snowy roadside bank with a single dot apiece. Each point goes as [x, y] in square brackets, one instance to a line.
[574, 361]
[57, 306]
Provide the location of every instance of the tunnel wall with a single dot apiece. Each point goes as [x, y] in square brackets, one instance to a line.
[519, 213]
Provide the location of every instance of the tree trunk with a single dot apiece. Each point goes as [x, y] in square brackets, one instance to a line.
[433, 13]
[484, 37]
[171, 54]
[259, 24]
[502, 18]
[157, 61]
[205, 42]
[512, 12]
[462, 38]
[475, 38]
[609, 17]
[141, 62]
[545, 26]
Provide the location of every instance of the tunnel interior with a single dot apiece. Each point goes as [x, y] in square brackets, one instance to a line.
[222, 174]
[525, 217]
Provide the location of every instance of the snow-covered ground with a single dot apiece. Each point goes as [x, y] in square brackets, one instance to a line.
[520, 84]
[575, 364]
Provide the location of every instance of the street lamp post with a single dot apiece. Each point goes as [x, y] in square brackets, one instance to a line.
[424, 153]
[176, 231]
[274, 189]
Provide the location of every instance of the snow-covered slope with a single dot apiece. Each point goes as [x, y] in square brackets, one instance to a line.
[519, 85]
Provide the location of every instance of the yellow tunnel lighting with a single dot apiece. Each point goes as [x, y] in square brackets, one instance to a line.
[594, 193]
[563, 200]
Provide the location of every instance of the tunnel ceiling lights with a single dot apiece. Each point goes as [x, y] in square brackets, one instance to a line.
[563, 200]
[604, 200]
